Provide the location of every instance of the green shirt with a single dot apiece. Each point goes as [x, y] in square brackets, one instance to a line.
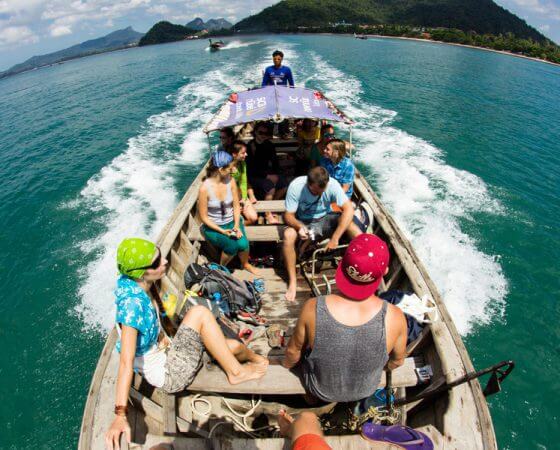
[240, 177]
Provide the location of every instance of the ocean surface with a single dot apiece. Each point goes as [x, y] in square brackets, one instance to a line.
[462, 145]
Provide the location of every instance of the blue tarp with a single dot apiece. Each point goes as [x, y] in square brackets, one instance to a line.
[275, 103]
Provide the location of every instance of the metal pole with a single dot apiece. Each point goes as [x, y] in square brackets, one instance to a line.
[350, 151]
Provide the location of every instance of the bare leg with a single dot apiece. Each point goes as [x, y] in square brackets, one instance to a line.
[306, 423]
[201, 320]
[225, 258]
[244, 258]
[290, 238]
[280, 194]
[270, 218]
[244, 354]
[249, 213]
[353, 230]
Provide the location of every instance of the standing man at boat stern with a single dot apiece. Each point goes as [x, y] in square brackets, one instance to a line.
[344, 341]
[278, 74]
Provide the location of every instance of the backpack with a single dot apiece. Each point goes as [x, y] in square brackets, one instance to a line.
[240, 295]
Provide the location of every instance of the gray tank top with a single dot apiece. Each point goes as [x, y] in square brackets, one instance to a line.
[220, 212]
[346, 362]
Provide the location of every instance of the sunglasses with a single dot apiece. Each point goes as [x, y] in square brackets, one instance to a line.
[154, 265]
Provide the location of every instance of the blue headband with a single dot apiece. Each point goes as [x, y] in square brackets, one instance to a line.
[221, 159]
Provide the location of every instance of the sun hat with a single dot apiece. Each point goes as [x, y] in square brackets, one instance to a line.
[133, 253]
[405, 437]
[363, 266]
[221, 159]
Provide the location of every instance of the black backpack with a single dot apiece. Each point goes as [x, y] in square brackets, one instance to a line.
[240, 295]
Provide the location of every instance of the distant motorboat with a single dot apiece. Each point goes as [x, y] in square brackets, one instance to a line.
[216, 45]
[360, 36]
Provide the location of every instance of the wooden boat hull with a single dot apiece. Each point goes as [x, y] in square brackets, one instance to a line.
[459, 419]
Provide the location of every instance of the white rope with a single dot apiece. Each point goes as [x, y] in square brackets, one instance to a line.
[242, 425]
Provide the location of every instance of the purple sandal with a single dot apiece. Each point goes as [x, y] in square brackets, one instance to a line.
[406, 437]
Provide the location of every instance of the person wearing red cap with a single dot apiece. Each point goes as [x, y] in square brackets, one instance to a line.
[343, 341]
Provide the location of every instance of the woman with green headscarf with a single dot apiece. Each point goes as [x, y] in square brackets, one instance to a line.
[169, 364]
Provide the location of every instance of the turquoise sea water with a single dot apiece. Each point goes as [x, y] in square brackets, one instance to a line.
[462, 145]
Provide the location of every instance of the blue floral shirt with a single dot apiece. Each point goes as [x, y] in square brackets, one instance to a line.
[135, 309]
[343, 172]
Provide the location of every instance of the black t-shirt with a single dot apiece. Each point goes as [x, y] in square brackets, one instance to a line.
[261, 160]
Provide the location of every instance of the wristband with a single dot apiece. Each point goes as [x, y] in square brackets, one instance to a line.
[121, 410]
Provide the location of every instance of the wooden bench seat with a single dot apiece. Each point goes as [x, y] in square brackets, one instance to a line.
[270, 206]
[255, 233]
[281, 381]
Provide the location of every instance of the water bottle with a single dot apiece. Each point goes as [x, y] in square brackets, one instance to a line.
[223, 305]
[169, 302]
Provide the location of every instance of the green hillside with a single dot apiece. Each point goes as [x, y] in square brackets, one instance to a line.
[163, 32]
[480, 16]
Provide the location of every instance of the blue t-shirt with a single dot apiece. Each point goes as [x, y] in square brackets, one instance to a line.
[343, 172]
[281, 76]
[135, 309]
[306, 206]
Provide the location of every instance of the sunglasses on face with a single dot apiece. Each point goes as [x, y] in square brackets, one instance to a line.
[154, 265]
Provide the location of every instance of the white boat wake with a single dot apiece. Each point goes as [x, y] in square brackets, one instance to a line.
[428, 198]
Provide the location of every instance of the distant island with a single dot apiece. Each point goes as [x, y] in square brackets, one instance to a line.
[477, 23]
[164, 32]
[480, 23]
[116, 40]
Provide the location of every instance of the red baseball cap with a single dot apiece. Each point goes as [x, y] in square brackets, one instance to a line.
[363, 266]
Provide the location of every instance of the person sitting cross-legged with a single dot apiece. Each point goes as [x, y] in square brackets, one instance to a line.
[343, 341]
[308, 207]
[166, 363]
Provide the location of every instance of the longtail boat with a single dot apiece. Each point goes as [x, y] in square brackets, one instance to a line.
[449, 405]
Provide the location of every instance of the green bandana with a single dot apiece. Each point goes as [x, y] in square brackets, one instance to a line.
[133, 253]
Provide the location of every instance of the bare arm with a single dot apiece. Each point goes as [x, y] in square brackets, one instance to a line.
[203, 211]
[124, 380]
[291, 220]
[299, 337]
[345, 187]
[398, 354]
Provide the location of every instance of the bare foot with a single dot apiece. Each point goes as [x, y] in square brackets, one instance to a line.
[285, 423]
[272, 219]
[259, 360]
[248, 372]
[291, 293]
[252, 269]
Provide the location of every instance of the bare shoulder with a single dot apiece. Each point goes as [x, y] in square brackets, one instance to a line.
[308, 310]
[395, 316]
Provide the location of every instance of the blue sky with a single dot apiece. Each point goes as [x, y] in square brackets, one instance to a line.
[34, 27]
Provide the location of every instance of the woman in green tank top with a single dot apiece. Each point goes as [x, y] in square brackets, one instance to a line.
[246, 194]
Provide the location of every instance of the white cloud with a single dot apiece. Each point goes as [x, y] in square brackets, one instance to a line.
[547, 8]
[17, 35]
[159, 9]
[60, 30]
